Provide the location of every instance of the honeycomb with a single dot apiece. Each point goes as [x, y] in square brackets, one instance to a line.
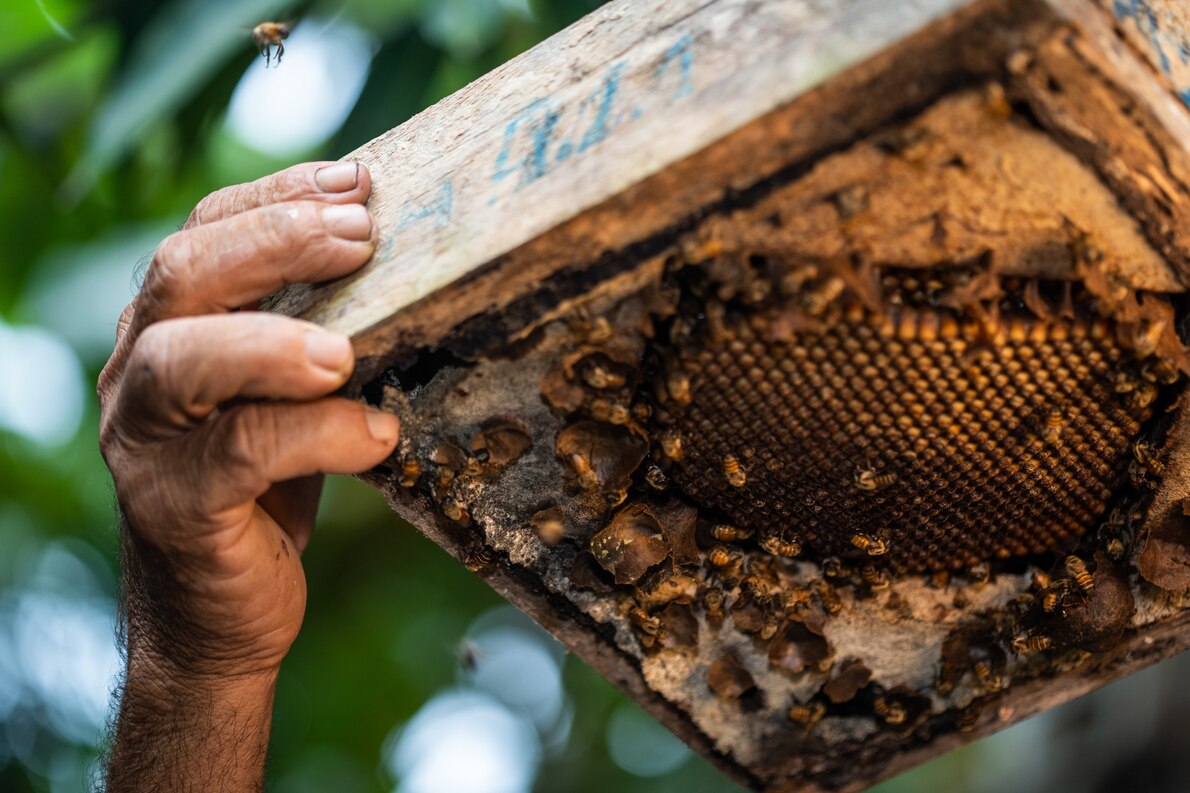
[900, 427]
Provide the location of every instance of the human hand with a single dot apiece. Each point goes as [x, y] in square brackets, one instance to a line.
[216, 426]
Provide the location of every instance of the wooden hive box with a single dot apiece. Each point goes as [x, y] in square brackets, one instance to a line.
[814, 371]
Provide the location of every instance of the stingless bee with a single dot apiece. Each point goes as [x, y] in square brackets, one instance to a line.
[600, 378]
[267, 35]
[712, 601]
[1147, 456]
[587, 478]
[867, 479]
[826, 593]
[892, 712]
[725, 532]
[808, 715]
[478, 559]
[1055, 423]
[1115, 549]
[873, 546]
[410, 470]
[1078, 571]
[778, 547]
[454, 509]
[656, 478]
[1023, 645]
[671, 445]
[649, 627]
[677, 383]
[875, 579]
[736, 476]
[721, 557]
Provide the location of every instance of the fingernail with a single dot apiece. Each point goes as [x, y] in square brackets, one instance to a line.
[329, 351]
[349, 221]
[337, 178]
[383, 426]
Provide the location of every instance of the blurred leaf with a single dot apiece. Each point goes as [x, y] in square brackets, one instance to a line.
[176, 53]
[46, 99]
[27, 23]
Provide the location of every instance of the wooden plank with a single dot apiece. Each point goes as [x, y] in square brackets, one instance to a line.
[619, 96]
[1160, 31]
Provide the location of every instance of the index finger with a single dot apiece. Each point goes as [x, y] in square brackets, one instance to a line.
[343, 182]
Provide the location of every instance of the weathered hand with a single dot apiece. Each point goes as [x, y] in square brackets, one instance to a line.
[216, 425]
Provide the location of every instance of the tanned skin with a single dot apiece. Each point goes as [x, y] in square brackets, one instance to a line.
[217, 427]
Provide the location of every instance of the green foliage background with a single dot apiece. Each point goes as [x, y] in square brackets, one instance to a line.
[111, 129]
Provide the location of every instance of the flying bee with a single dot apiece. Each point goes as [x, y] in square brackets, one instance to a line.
[1054, 424]
[1077, 569]
[410, 470]
[468, 654]
[875, 578]
[587, 478]
[267, 35]
[868, 480]
[807, 715]
[891, 712]
[671, 445]
[677, 383]
[712, 601]
[779, 547]
[725, 532]
[736, 476]
[1023, 645]
[478, 559]
[873, 546]
[827, 594]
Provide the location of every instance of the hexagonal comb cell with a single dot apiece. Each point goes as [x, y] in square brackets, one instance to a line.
[916, 436]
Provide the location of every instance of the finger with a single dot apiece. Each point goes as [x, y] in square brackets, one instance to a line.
[181, 370]
[253, 447]
[230, 263]
[109, 376]
[329, 182]
[293, 505]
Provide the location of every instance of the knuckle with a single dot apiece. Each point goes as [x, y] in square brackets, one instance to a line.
[151, 356]
[292, 223]
[169, 274]
[208, 209]
[250, 438]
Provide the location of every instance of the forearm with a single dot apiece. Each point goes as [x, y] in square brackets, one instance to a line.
[176, 732]
[182, 724]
